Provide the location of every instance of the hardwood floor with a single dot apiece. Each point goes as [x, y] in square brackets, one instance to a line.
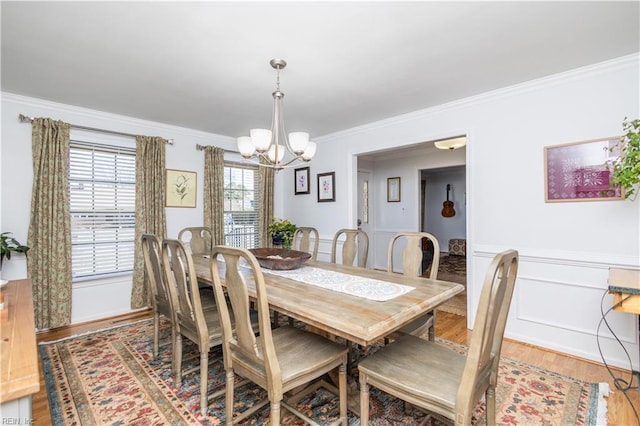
[448, 326]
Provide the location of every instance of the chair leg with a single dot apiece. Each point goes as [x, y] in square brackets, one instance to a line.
[491, 405]
[275, 413]
[156, 326]
[342, 384]
[229, 398]
[364, 400]
[204, 374]
[177, 360]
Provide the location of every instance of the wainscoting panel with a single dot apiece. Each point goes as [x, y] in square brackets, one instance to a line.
[558, 304]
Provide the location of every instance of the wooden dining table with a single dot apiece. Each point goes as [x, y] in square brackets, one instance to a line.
[356, 319]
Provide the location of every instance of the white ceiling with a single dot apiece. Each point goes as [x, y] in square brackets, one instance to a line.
[205, 65]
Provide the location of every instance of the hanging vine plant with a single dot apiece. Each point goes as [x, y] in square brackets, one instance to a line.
[626, 168]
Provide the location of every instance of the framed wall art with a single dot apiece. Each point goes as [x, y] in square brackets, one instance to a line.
[326, 187]
[181, 188]
[393, 190]
[301, 177]
[578, 171]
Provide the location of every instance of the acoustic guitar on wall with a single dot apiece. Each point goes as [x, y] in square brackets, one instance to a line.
[447, 206]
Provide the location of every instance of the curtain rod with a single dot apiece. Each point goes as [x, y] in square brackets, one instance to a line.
[26, 118]
[202, 147]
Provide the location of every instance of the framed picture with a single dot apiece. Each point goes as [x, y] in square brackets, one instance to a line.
[301, 183]
[181, 188]
[326, 187]
[393, 190]
[578, 171]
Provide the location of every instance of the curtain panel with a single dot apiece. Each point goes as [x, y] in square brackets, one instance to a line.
[213, 196]
[49, 237]
[150, 209]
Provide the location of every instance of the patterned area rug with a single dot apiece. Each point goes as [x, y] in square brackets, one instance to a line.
[110, 378]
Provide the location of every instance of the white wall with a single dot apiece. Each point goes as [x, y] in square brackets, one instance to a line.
[446, 228]
[565, 248]
[105, 297]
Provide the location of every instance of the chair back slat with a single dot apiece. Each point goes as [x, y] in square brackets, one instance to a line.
[304, 237]
[412, 253]
[152, 253]
[352, 237]
[180, 272]
[240, 270]
[197, 238]
[485, 345]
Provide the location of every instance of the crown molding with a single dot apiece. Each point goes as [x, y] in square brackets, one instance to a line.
[493, 95]
[121, 122]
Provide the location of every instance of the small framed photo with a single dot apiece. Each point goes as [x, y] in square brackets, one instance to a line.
[301, 176]
[580, 171]
[393, 190]
[326, 187]
[181, 188]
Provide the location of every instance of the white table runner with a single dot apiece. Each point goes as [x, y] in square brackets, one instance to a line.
[354, 285]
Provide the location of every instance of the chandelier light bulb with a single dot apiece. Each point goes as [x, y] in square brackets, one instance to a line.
[309, 152]
[298, 142]
[245, 146]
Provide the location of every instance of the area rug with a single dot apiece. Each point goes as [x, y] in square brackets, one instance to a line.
[110, 378]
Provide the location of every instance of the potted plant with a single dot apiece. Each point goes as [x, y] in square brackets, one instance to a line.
[281, 232]
[626, 168]
[9, 244]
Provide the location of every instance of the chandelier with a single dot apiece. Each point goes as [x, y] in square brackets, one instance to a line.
[271, 145]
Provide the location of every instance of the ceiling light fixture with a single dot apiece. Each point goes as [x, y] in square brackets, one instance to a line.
[270, 145]
[451, 143]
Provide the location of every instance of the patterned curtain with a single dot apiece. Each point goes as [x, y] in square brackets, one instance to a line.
[214, 192]
[49, 259]
[267, 179]
[150, 213]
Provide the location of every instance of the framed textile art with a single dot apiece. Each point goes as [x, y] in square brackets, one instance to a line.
[579, 171]
[181, 188]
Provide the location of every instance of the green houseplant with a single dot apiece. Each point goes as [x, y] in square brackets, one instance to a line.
[626, 168]
[281, 232]
[8, 244]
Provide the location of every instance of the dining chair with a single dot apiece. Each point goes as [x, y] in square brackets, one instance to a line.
[201, 326]
[304, 237]
[278, 360]
[412, 262]
[197, 238]
[161, 300]
[350, 246]
[435, 378]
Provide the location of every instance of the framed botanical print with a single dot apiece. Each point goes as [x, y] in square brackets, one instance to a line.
[181, 188]
[393, 190]
[301, 183]
[326, 187]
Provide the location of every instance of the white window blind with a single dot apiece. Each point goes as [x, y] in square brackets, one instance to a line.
[102, 206]
[241, 205]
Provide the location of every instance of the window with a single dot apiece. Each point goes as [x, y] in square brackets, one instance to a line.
[102, 206]
[241, 205]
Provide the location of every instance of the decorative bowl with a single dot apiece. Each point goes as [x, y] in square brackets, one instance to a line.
[280, 259]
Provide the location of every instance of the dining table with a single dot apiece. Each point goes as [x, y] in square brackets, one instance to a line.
[359, 316]
[356, 318]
